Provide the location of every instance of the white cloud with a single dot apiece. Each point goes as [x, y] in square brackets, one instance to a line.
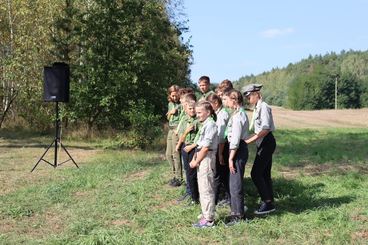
[275, 32]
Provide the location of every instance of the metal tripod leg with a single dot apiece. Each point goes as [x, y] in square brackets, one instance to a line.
[41, 158]
[68, 154]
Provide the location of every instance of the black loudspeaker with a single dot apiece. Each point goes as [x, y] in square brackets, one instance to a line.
[56, 83]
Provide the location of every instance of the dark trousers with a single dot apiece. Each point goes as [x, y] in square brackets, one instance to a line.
[222, 175]
[190, 174]
[261, 171]
[236, 180]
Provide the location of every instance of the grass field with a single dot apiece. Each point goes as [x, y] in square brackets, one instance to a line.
[122, 197]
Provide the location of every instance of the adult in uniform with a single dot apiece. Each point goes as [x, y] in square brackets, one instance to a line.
[262, 122]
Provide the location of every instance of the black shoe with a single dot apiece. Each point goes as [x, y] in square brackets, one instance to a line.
[235, 219]
[265, 208]
[183, 198]
[176, 183]
[172, 181]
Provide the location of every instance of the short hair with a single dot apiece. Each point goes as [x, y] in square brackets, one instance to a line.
[227, 91]
[214, 98]
[225, 85]
[191, 103]
[208, 107]
[189, 97]
[205, 79]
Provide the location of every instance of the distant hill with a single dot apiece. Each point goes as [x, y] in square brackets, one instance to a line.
[310, 83]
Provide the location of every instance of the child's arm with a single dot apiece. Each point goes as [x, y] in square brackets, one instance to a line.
[188, 148]
[200, 156]
[182, 137]
[221, 153]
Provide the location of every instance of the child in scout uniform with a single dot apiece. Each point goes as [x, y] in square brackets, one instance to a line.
[263, 126]
[205, 162]
[204, 87]
[222, 159]
[173, 156]
[187, 146]
[237, 132]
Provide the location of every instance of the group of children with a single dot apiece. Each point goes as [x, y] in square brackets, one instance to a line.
[208, 137]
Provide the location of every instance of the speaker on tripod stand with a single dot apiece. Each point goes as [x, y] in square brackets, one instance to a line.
[56, 89]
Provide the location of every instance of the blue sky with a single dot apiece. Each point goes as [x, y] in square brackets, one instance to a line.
[234, 38]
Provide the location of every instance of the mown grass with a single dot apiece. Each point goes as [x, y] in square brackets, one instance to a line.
[122, 197]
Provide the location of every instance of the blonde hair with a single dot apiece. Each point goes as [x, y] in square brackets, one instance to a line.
[208, 107]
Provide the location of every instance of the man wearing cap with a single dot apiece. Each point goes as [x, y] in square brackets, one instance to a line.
[263, 126]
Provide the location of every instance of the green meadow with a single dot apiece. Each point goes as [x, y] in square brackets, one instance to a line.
[122, 196]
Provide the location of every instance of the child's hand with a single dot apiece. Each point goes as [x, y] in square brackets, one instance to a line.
[188, 148]
[231, 166]
[193, 164]
[188, 129]
[177, 148]
[221, 159]
[173, 111]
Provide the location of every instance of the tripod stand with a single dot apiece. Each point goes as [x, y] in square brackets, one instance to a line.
[56, 143]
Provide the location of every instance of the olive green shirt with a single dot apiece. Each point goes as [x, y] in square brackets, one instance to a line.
[174, 119]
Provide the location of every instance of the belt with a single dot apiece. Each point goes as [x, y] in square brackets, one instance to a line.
[198, 149]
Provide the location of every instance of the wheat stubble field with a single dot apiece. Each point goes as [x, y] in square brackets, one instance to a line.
[121, 196]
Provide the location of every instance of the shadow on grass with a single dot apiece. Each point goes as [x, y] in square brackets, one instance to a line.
[304, 147]
[293, 196]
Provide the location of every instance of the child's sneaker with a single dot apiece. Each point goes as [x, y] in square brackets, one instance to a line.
[265, 208]
[203, 223]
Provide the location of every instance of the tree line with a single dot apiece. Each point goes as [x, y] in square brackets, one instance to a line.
[310, 84]
[122, 54]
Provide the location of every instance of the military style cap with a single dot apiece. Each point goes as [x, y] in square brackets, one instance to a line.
[251, 88]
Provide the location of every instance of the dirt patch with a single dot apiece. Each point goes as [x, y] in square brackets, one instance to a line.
[122, 222]
[315, 170]
[361, 218]
[349, 118]
[35, 226]
[360, 235]
[137, 175]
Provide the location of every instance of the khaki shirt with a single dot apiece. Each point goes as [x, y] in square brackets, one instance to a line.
[208, 135]
[221, 123]
[237, 128]
[263, 119]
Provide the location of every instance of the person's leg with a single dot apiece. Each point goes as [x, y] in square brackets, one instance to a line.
[169, 150]
[224, 172]
[176, 158]
[270, 149]
[186, 160]
[217, 179]
[206, 186]
[261, 171]
[261, 174]
[236, 181]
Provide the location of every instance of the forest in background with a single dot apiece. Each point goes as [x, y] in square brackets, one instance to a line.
[122, 54]
[310, 83]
